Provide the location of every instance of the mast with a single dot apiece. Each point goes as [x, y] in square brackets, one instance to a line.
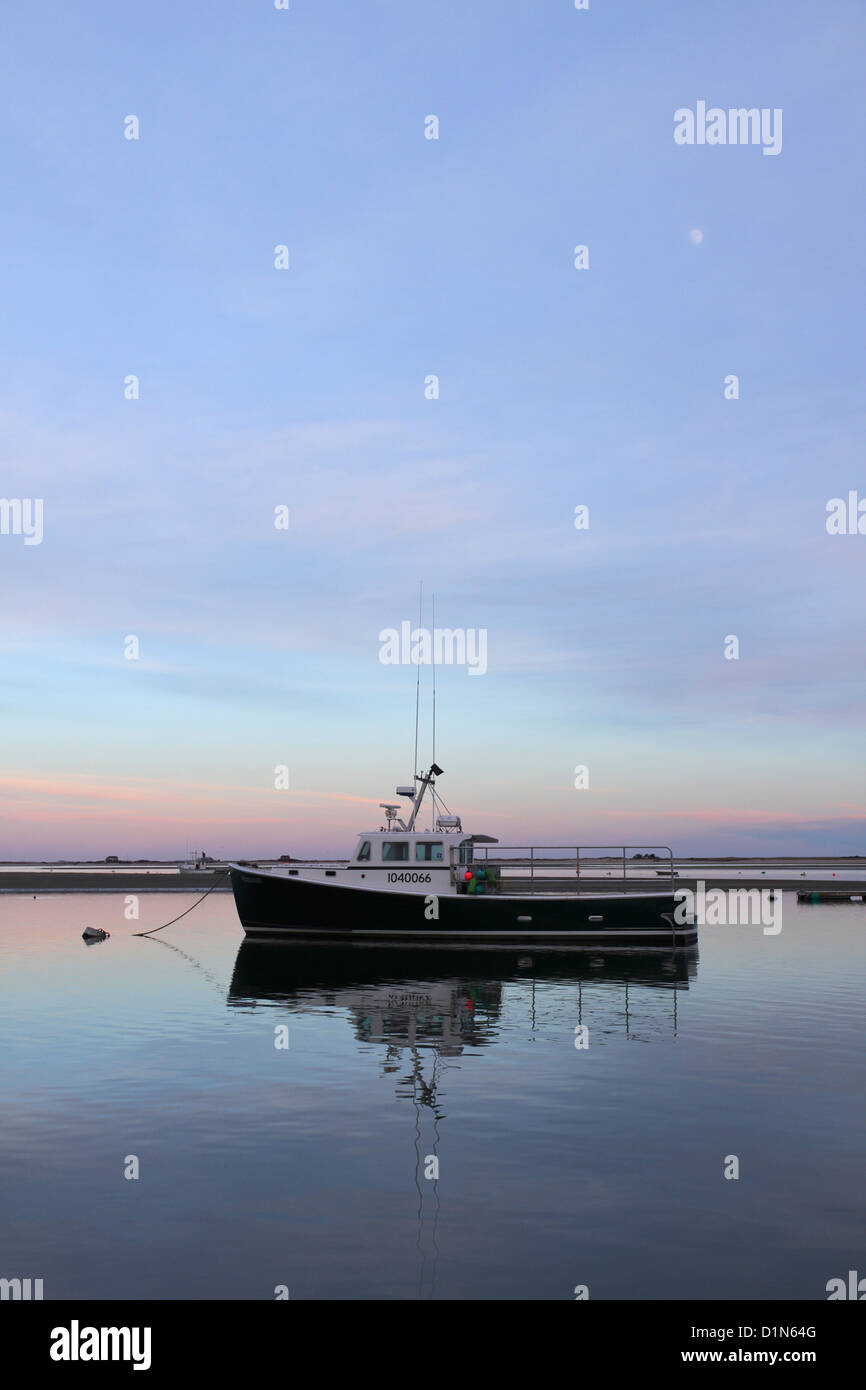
[418, 686]
[426, 781]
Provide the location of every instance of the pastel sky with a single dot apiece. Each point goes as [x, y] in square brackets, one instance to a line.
[305, 387]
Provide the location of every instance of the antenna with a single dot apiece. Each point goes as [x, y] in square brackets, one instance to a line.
[433, 657]
[417, 688]
[434, 675]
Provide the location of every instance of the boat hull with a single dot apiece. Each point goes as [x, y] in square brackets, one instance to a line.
[270, 905]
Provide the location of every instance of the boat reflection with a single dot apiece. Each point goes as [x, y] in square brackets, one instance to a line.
[426, 1007]
[425, 998]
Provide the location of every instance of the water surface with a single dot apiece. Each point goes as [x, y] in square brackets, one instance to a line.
[305, 1166]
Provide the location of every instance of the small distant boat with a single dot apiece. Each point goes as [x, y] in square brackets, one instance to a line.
[443, 885]
[197, 860]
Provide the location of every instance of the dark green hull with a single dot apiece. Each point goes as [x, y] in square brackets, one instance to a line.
[271, 906]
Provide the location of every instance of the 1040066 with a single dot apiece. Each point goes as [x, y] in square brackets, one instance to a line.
[409, 878]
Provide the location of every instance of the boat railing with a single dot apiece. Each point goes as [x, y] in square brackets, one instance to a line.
[588, 868]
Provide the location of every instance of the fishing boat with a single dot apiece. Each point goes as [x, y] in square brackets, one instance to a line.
[447, 886]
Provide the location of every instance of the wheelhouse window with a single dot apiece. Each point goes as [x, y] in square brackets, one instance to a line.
[466, 852]
[393, 850]
[428, 851]
[364, 851]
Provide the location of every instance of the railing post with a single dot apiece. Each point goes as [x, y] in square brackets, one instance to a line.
[531, 869]
[623, 868]
[578, 864]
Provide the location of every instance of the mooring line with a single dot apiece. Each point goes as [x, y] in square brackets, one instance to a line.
[223, 875]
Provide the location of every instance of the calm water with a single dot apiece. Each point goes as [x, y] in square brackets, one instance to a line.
[305, 1166]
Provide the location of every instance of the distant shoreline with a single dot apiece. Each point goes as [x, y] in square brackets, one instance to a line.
[20, 878]
[804, 861]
